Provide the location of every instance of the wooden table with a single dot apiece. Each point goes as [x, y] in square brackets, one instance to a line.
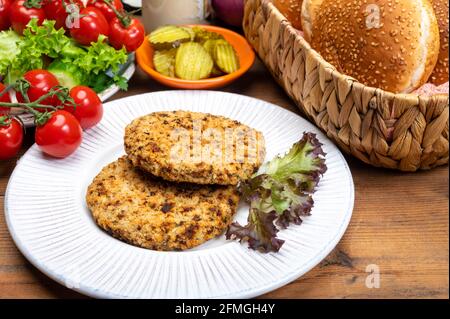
[399, 224]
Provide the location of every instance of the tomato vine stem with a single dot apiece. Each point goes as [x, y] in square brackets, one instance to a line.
[41, 118]
[124, 18]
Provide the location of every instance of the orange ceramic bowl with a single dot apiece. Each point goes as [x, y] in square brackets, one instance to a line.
[144, 56]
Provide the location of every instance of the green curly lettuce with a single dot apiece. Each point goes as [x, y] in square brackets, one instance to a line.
[40, 42]
[280, 194]
[100, 63]
[100, 57]
[9, 49]
[44, 38]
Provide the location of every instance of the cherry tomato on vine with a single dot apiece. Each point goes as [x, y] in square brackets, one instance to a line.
[11, 138]
[22, 11]
[5, 22]
[92, 25]
[105, 9]
[60, 136]
[4, 98]
[55, 10]
[41, 82]
[89, 107]
[129, 33]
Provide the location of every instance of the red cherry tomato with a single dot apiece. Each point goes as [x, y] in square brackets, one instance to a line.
[89, 107]
[11, 138]
[130, 36]
[54, 10]
[60, 136]
[92, 24]
[41, 82]
[5, 22]
[4, 98]
[20, 15]
[105, 9]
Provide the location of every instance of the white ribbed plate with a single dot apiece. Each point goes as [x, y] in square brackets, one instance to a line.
[51, 225]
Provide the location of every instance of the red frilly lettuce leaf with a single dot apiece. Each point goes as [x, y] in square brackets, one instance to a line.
[281, 194]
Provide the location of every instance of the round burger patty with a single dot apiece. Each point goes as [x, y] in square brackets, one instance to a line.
[146, 211]
[192, 147]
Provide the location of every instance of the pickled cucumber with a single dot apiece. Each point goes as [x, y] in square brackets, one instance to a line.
[209, 46]
[169, 36]
[216, 71]
[192, 53]
[193, 62]
[164, 62]
[202, 35]
[225, 57]
[190, 31]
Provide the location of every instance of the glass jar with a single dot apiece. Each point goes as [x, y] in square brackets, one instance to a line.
[157, 13]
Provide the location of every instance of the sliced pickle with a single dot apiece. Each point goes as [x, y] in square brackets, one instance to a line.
[168, 36]
[202, 35]
[164, 62]
[192, 53]
[225, 57]
[209, 46]
[216, 71]
[193, 62]
[190, 31]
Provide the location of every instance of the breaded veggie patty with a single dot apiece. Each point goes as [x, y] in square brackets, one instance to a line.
[146, 211]
[194, 147]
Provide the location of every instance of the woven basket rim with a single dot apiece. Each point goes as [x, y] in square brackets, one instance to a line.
[336, 73]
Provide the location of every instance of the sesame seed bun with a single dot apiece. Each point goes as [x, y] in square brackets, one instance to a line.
[440, 73]
[291, 9]
[310, 9]
[388, 44]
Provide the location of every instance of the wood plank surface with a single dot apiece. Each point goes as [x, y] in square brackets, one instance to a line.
[399, 224]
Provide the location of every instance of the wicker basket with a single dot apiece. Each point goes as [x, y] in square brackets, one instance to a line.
[398, 131]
